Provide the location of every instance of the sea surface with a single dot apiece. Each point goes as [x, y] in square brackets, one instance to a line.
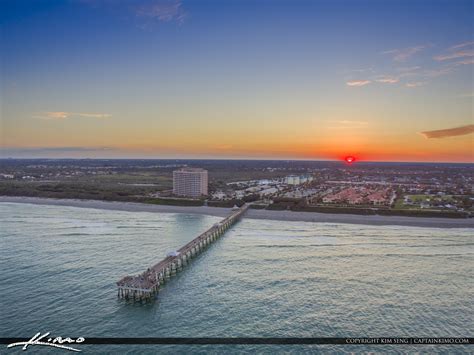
[264, 278]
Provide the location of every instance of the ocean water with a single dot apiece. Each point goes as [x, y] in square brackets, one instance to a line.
[59, 266]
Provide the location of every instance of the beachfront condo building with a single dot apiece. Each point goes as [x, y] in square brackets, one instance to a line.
[190, 182]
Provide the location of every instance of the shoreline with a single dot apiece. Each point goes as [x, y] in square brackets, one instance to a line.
[373, 220]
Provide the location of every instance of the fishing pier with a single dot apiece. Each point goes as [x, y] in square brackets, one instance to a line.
[145, 286]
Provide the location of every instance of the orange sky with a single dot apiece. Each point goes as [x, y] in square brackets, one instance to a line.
[299, 82]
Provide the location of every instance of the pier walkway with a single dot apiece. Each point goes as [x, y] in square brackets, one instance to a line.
[147, 284]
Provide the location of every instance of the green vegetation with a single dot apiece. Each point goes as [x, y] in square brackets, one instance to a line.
[431, 202]
[427, 198]
[398, 205]
[258, 206]
[75, 189]
[384, 212]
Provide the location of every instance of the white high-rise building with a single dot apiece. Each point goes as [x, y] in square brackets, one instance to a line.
[191, 182]
[296, 180]
[292, 180]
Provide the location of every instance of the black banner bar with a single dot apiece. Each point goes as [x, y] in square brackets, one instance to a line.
[263, 341]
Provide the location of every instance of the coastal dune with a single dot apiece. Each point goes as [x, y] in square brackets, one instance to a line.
[432, 222]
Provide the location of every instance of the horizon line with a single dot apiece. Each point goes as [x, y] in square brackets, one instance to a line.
[245, 159]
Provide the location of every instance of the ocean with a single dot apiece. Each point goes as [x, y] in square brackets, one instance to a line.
[263, 278]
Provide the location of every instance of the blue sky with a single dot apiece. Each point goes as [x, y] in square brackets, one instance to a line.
[171, 78]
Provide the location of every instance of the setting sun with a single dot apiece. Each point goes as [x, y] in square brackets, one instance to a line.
[350, 159]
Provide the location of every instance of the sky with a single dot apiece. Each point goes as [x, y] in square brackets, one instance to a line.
[268, 79]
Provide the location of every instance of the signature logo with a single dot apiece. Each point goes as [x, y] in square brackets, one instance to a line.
[45, 340]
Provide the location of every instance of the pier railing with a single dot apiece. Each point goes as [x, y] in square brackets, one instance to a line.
[146, 285]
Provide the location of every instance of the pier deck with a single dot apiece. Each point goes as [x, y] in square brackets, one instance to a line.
[147, 284]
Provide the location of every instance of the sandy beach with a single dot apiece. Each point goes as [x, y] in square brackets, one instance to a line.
[254, 214]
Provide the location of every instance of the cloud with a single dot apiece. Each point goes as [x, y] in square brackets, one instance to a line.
[431, 73]
[415, 84]
[58, 115]
[94, 115]
[352, 122]
[421, 77]
[62, 115]
[415, 76]
[408, 69]
[357, 83]
[387, 80]
[163, 11]
[347, 124]
[455, 55]
[361, 70]
[434, 73]
[462, 45]
[450, 132]
[457, 51]
[465, 62]
[401, 55]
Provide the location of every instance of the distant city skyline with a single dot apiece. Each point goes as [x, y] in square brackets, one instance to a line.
[309, 80]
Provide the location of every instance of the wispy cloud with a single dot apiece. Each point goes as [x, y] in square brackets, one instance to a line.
[357, 83]
[450, 132]
[455, 55]
[465, 62]
[62, 115]
[403, 54]
[462, 45]
[429, 73]
[352, 122]
[461, 50]
[434, 73]
[408, 69]
[57, 115]
[163, 11]
[361, 70]
[415, 84]
[94, 115]
[387, 80]
[450, 61]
